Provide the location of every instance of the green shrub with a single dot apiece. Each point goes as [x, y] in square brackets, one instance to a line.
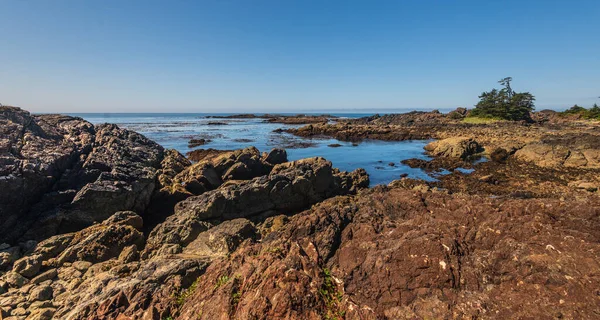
[593, 113]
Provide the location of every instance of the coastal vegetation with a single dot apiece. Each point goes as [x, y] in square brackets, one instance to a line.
[504, 103]
[481, 120]
[592, 113]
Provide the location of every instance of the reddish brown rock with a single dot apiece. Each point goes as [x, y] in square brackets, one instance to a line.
[403, 254]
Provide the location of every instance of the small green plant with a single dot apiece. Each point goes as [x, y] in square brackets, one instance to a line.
[235, 297]
[332, 297]
[184, 294]
[221, 281]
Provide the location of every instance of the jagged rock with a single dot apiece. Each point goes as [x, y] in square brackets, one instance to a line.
[289, 187]
[34, 153]
[60, 174]
[172, 164]
[8, 256]
[222, 239]
[394, 253]
[459, 147]
[129, 254]
[53, 246]
[93, 244]
[100, 243]
[209, 174]
[125, 218]
[129, 184]
[149, 291]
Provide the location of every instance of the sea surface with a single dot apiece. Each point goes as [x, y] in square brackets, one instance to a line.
[381, 159]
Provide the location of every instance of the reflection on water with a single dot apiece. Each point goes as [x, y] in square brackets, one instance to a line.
[381, 159]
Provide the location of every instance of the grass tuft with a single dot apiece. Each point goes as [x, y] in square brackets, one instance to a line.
[480, 120]
[221, 281]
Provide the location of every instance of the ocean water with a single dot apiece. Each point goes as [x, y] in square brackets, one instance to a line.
[381, 159]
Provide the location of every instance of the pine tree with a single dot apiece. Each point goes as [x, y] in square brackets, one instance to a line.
[505, 103]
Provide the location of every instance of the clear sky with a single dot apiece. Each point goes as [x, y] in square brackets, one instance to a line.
[287, 56]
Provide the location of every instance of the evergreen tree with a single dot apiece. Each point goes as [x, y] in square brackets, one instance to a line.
[505, 103]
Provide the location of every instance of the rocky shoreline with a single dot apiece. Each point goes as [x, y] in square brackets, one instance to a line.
[98, 222]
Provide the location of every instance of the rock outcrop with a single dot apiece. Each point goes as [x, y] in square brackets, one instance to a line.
[289, 188]
[60, 264]
[59, 173]
[401, 254]
[109, 270]
[581, 151]
[209, 173]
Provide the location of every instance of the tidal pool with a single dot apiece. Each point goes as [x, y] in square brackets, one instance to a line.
[381, 159]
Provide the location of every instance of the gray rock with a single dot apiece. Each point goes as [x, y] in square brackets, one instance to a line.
[28, 266]
[222, 239]
[290, 187]
[15, 280]
[61, 174]
[48, 275]
[41, 293]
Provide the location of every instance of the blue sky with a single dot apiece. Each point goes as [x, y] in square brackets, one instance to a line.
[286, 56]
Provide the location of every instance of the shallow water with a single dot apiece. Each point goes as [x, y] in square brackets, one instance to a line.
[175, 130]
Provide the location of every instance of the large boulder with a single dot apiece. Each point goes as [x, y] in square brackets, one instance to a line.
[457, 147]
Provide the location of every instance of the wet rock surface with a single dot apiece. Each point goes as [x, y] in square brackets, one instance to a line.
[285, 119]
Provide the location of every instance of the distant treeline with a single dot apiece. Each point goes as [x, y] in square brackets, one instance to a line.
[591, 113]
